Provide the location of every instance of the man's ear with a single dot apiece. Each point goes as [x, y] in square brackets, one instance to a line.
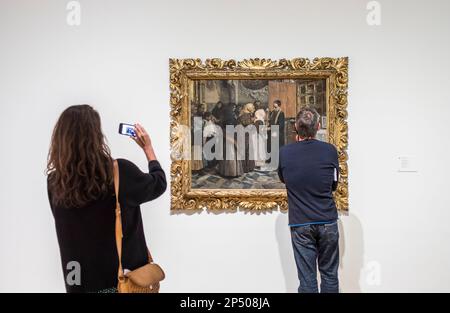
[318, 126]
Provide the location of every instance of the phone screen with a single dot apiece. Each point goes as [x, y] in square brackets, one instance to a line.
[127, 130]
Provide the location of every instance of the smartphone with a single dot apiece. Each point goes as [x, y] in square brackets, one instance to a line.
[127, 130]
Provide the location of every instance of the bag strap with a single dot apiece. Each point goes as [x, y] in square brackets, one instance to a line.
[119, 233]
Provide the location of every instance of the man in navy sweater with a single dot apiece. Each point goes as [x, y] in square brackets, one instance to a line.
[309, 168]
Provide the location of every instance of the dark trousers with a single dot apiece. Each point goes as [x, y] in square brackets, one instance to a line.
[317, 245]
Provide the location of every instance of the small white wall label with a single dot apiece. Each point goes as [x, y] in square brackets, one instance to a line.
[407, 163]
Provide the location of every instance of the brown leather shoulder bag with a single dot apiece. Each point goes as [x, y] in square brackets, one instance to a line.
[145, 279]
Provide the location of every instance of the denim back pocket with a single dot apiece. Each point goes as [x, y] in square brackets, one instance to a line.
[332, 229]
[302, 234]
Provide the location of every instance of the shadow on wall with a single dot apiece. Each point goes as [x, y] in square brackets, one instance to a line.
[289, 268]
[351, 245]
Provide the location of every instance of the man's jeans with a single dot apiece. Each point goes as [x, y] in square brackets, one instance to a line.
[317, 244]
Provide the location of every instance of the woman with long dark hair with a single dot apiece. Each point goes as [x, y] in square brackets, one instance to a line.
[82, 199]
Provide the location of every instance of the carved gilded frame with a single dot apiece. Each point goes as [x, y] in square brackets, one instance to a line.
[184, 71]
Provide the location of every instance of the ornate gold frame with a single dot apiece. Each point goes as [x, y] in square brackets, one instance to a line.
[182, 71]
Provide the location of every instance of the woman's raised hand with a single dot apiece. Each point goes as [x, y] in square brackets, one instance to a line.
[142, 138]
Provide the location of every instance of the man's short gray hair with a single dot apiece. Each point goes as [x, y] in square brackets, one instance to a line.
[307, 122]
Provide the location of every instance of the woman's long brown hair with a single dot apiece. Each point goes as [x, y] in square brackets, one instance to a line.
[79, 165]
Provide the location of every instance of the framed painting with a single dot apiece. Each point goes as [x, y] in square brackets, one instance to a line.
[229, 119]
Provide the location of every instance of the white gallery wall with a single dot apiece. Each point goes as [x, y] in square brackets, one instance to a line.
[396, 237]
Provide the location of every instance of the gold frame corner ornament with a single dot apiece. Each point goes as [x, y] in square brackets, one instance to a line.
[182, 71]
